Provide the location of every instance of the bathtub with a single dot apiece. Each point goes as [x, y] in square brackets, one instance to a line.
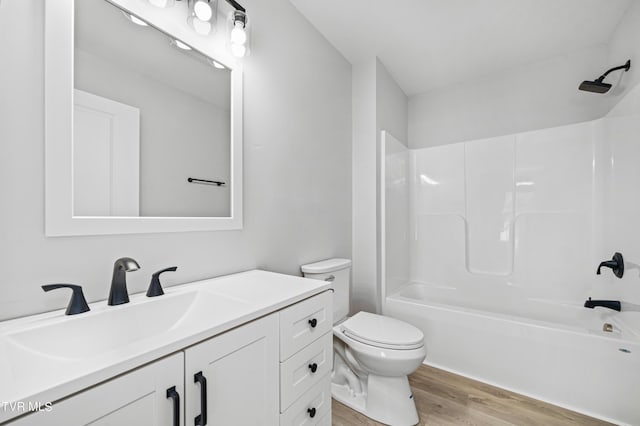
[553, 352]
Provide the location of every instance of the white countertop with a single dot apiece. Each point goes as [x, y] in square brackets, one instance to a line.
[45, 371]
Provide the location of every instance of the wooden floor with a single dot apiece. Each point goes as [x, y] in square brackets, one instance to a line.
[444, 398]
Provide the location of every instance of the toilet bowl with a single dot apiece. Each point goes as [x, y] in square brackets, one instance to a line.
[373, 354]
[379, 348]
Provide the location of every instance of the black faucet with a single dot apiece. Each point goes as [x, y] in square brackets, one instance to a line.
[118, 293]
[616, 264]
[77, 303]
[155, 288]
[611, 304]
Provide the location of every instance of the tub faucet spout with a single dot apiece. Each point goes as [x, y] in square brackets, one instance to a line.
[611, 304]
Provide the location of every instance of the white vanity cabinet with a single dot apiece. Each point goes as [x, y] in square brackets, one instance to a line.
[136, 398]
[232, 379]
[306, 361]
[271, 370]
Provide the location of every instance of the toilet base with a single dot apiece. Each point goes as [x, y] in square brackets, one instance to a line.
[387, 400]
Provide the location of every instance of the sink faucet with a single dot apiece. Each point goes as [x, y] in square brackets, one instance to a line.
[118, 293]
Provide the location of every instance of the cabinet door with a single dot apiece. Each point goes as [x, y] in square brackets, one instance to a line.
[232, 379]
[136, 398]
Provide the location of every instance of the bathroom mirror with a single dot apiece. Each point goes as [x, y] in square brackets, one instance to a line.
[143, 128]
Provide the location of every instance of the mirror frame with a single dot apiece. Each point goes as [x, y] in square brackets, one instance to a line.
[58, 114]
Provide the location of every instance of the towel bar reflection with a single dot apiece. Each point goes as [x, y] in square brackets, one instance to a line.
[206, 182]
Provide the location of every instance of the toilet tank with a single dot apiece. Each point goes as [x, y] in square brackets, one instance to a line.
[336, 272]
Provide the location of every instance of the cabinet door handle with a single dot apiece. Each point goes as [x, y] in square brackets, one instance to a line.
[313, 367]
[313, 322]
[201, 419]
[312, 412]
[173, 394]
[330, 278]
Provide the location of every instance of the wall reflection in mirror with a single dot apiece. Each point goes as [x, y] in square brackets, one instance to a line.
[149, 113]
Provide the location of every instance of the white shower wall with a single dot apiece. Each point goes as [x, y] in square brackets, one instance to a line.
[526, 215]
[395, 212]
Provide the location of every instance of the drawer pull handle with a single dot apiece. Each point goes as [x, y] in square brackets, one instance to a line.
[201, 419]
[313, 322]
[313, 367]
[173, 394]
[330, 278]
[312, 412]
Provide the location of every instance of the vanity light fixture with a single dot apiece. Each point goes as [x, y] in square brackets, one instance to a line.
[202, 9]
[238, 34]
[202, 15]
[202, 18]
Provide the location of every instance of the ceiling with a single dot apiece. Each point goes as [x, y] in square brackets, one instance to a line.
[426, 44]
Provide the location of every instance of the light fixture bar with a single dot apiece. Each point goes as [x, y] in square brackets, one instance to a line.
[236, 5]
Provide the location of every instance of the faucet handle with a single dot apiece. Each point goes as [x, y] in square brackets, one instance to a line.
[155, 288]
[77, 304]
[616, 264]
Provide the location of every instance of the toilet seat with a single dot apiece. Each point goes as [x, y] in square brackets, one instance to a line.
[382, 332]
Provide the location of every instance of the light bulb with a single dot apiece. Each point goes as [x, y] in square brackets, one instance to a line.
[202, 10]
[162, 3]
[138, 21]
[238, 50]
[238, 34]
[199, 26]
[181, 45]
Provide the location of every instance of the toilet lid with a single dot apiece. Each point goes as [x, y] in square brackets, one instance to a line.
[377, 330]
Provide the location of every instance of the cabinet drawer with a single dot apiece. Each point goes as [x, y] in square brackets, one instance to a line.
[317, 398]
[297, 373]
[304, 322]
[326, 420]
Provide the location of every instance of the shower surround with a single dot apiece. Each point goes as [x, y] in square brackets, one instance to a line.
[491, 246]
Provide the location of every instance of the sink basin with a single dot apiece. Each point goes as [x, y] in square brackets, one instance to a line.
[48, 353]
[114, 328]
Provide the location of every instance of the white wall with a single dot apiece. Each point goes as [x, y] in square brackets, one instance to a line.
[396, 203]
[531, 215]
[297, 169]
[620, 207]
[625, 44]
[364, 270]
[543, 94]
[378, 104]
[392, 105]
[505, 213]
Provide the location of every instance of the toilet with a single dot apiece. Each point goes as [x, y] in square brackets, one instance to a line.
[373, 354]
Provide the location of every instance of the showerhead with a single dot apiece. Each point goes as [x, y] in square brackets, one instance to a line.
[599, 86]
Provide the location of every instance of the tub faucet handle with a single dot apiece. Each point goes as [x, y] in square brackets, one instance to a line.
[616, 264]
